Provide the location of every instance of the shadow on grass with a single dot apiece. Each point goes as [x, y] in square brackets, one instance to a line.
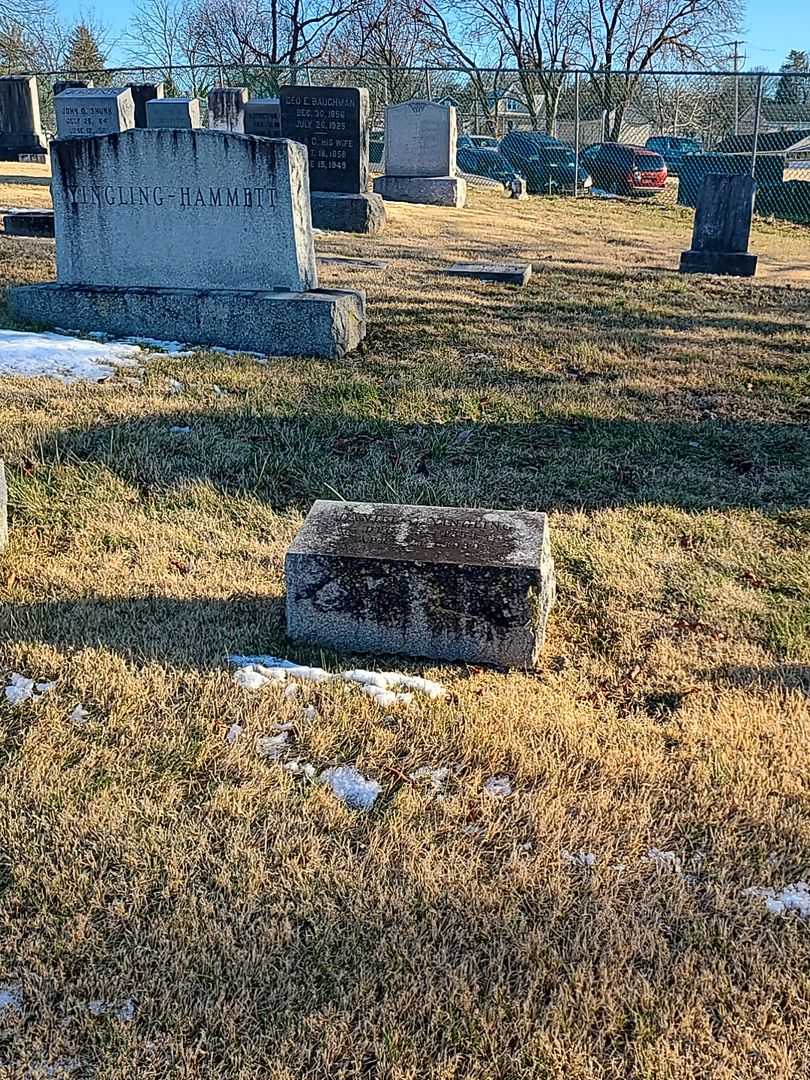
[553, 463]
[786, 676]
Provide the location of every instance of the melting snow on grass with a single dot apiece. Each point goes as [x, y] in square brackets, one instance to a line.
[386, 688]
[437, 778]
[121, 1010]
[20, 689]
[351, 787]
[795, 897]
[67, 359]
[11, 997]
[578, 858]
[79, 715]
[498, 786]
[663, 860]
[232, 734]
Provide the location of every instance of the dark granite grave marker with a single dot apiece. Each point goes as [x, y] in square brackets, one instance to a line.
[71, 84]
[510, 273]
[442, 582]
[141, 93]
[722, 227]
[28, 223]
[263, 117]
[20, 128]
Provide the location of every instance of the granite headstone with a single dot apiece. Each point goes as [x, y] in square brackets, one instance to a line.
[98, 110]
[441, 582]
[226, 109]
[263, 117]
[70, 84]
[332, 122]
[722, 227]
[190, 235]
[20, 126]
[142, 94]
[420, 155]
[173, 113]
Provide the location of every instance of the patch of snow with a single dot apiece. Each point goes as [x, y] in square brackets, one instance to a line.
[121, 1010]
[350, 786]
[395, 680]
[311, 713]
[20, 689]
[11, 997]
[179, 430]
[794, 897]
[249, 679]
[232, 734]
[386, 698]
[663, 860]
[175, 386]
[61, 357]
[437, 778]
[387, 688]
[271, 746]
[79, 715]
[171, 348]
[300, 768]
[578, 858]
[292, 691]
[498, 786]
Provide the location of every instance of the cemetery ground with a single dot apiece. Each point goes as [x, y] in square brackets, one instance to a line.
[174, 904]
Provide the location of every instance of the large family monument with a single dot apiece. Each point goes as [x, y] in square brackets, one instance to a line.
[20, 126]
[333, 123]
[436, 581]
[420, 155]
[188, 235]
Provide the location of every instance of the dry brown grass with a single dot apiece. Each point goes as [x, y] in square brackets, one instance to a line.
[262, 929]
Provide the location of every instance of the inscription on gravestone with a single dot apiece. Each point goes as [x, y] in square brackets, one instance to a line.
[93, 111]
[448, 583]
[332, 122]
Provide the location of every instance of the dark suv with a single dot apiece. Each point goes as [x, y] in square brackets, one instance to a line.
[625, 170]
[673, 149]
[548, 165]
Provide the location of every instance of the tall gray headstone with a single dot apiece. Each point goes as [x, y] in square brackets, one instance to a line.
[722, 227]
[20, 125]
[437, 581]
[420, 155]
[226, 109]
[197, 236]
[332, 122]
[263, 117]
[71, 84]
[173, 113]
[98, 110]
[142, 94]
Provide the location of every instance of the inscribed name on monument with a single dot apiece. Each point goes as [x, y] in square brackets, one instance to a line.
[332, 122]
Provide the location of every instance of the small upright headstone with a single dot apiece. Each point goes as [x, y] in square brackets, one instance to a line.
[420, 155]
[263, 117]
[332, 122]
[70, 84]
[517, 188]
[436, 581]
[173, 113]
[722, 227]
[97, 110]
[20, 126]
[197, 236]
[28, 223]
[142, 94]
[226, 109]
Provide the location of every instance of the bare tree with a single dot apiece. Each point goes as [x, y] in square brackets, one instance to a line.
[165, 35]
[620, 38]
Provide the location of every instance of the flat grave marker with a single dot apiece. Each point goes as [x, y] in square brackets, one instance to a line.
[441, 582]
[509, 273]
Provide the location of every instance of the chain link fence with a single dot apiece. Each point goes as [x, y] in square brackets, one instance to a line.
[633, 135]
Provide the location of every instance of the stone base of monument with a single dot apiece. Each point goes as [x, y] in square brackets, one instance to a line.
[321, 322]
[431, 190]
[28, 223]
[356, 213]
[508, 273]
[440, 582]
[728, 263]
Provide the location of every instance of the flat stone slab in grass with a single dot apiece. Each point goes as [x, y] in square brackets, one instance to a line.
[28, 223]
[355, 263]
[511, 273]
[434, 581]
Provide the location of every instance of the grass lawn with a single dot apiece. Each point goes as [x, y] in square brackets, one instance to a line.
[239, 921]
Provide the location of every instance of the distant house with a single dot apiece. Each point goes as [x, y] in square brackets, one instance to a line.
[595, 125]
[775, 116]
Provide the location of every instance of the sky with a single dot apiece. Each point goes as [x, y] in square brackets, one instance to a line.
[772, 27]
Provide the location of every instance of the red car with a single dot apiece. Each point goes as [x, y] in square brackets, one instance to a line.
[624, 169]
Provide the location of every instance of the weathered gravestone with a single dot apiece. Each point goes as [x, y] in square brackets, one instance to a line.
[332, 122]
[142, 94]
[442, 582]
[28, 223]
[722, 227]
[420, 155]
[196, 236]
[508, 273]
[263, 117]
[20, 126]
[173, 113]
[97, 110]
[226, 109]
[70, 84]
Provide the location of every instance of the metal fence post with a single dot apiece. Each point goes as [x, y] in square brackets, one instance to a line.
[428, 86]
[576, 134]
[757, 119]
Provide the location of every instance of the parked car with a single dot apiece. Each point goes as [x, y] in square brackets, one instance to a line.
[673, 149]
[548, 165]
[376, 147]
[624, 169]
[485, 162]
